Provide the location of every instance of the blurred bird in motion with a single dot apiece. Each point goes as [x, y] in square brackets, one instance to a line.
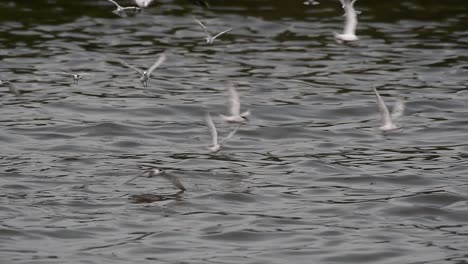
[75, 76]
[145, 75]
[153, 171]
[387, 117]
[11, 87]
[349, 32]
[234, 108]
[208, 37]
[216, 146]
[122, 11]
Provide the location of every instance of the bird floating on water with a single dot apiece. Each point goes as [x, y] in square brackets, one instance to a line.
[208, 37]
[11, 87]
[122, 11]
[234, 108]
[153, 171]
[349, 32]
[145, 75]
[387, 118]
[214, 134]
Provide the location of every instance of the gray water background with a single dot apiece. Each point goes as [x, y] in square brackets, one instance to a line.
[310, 178]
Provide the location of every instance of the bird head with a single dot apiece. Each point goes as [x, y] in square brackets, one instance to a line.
[154, 172]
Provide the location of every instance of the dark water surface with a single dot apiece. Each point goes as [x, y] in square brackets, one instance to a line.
[310, 179]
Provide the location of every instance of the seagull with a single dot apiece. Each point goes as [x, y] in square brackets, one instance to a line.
[210, 38]
[153, 171]
[398, 109]
[145, 75]
[234, 108]
[214, 135]
[76, 76]
[121, 11]
[349, 32]
[11, 87]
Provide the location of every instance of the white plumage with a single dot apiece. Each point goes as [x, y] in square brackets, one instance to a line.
[387, 118]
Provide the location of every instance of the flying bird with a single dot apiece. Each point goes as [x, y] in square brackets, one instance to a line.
[387, 117]
[11, 87]
[234, 108]
[153, 171]
[75, 76]
[216, 146]
[349, 32]
[145, 75]
[208, 37]
[122, 11]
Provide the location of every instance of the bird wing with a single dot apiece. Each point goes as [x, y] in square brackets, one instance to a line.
[386, 119]
[343, 3]
[230, 135]
[115, 3]
[11, 87]
[398, 109]
[145, 171]
[234, 103]
[203, 26]
[86, 74]
[62, 73]
[143, 3]
[245, 114]
[130, 66]
[351, 19]
[222, 32]
[173, 179]
[131, 8]
[211, 126]
[158, 62]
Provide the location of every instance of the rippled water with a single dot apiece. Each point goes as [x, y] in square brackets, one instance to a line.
[310, 179]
